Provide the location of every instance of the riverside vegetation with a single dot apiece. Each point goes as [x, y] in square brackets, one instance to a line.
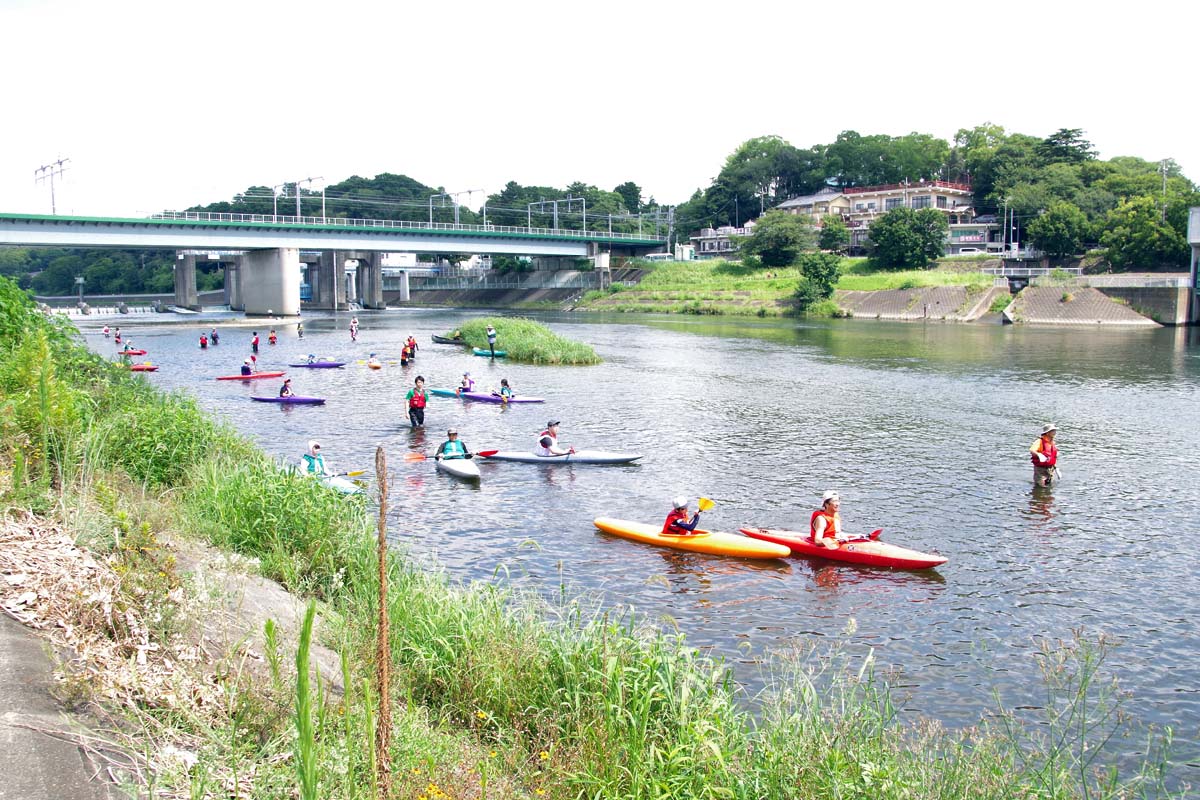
[497, 693]
[733, 288]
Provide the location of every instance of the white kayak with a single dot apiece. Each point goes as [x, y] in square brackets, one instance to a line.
[464, 468]
[578, 457]
[340, 484]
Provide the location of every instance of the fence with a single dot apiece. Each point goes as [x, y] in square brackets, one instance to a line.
[550, 280]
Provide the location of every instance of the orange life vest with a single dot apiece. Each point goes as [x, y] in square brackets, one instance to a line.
[1048, 450]
[831, 521]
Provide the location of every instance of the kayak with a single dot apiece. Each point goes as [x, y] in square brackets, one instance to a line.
[295, 400]
[375, 365]
[464, 468]
[143, 367]
[485, 397]
[320, 364]
[253, 376]
[702, 541]
[132, 352]
[578, 457]
[479, 351]
[855, 551]
[340, 484]
[445, 340]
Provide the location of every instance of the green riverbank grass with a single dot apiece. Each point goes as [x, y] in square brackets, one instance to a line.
[527, 341]
[497, 693]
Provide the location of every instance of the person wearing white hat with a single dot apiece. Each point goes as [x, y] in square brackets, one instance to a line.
[314, 462]
[1044, 455]
[826, 522]
[677, 523]
[452, 447]
[246, 369]
[467, 384]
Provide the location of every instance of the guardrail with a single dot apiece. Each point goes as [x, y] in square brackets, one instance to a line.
[1119, 281]
[583, 280]
[1030, 272]
[392, 224]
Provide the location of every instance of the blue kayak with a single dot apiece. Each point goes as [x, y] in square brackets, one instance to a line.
[320, 364]
[479, 351]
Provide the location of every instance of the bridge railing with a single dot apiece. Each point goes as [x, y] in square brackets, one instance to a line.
[392, 224]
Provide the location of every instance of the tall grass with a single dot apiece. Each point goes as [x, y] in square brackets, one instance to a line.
[527, 341]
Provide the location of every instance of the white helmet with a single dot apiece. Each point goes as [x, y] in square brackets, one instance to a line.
[830, 495]
[681, 502]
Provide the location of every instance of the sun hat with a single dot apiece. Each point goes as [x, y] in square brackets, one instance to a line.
[830, 495]
[1048, 427]
[680, 502]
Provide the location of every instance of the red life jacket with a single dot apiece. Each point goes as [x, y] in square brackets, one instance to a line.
[830, 524]
[1049, 451]
[676, 515]
[417, 400]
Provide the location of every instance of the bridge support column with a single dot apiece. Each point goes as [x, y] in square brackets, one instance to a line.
[270, 281]
[233, 284]
[404, 295]
[370, 280]
[329, 287]
[186, 295]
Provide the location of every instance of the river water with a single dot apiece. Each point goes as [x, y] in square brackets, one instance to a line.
[924, 429]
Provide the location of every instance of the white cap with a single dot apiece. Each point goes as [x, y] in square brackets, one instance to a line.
[312, 443]
[830, 495]
[680, 502]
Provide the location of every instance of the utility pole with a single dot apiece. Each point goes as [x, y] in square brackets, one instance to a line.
[309, 182]
[48, 172]
[1162, 167]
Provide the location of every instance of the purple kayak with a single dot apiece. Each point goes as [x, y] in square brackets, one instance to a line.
[320, 364]
[488, 397]
[292, 400]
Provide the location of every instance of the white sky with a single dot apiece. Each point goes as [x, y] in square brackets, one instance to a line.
[161, 105]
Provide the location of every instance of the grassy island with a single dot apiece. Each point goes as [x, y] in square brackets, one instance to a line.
[526, 341]
[496, 694]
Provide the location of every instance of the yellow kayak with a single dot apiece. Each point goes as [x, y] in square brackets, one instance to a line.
[702, 541]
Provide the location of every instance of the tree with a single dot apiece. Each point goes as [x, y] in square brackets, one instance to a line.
[834, 235]
[1060, 231]
[1136, 237]
[907, 239]
[778, 238]
[1066, 145]
[819, 274]
[631, 194]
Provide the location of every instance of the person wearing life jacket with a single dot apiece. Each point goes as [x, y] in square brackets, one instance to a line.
[286, 389]
[417, 399]
[246, 369]
[117, 336]
[412, 345]
[467, 384]
[505, 393]
[1044, 456]
[314, 462]
[105, 331]
[677, 523]
[826, 522]
[272, 338]
[254, 342]
[452, 447]
[373, 362]
[214, 338]
[548, 442]
[203, 342]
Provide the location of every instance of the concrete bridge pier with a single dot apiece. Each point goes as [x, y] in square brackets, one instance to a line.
[370, 280]
[233, 285]
[186, 295]
[328, 281]
[270, 281]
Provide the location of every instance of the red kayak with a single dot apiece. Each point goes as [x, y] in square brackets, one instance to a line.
[143, 367]
[251, 377]
[132, 352]
[855, 551]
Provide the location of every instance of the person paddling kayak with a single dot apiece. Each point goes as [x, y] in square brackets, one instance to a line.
[286, 389]
[452, 447]
[505, 392]
[826, 522]
[677, 523]
[246, 369]
[314, 462]
[467, 384]
[1044, 455]
[548, 442]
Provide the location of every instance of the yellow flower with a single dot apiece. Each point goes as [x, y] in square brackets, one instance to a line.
[481, 715]
[544, 756]
[492, 754]
[539, 791]
[416, 771]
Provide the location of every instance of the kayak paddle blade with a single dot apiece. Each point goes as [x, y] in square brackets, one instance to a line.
[705, 504]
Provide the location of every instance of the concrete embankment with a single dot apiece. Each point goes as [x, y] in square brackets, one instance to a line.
[1056, 305]
[945, 303]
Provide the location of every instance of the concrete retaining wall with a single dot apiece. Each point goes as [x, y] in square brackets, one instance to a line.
[1072, 305]
[946, 303]
[1166, 306]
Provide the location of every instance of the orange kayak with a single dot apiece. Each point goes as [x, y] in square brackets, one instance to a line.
[713, 542]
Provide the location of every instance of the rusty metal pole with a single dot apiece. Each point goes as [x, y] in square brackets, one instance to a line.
[383, 649]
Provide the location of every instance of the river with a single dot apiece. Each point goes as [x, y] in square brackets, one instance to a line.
[923, 428]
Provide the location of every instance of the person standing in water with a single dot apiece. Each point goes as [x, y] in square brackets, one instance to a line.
[1044, 455]
[417, 399]
[491, 337]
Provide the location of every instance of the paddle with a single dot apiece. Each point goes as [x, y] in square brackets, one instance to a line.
[414, 456]
[870, 537]
[354, 473]
[486, 453]
[704, 504]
